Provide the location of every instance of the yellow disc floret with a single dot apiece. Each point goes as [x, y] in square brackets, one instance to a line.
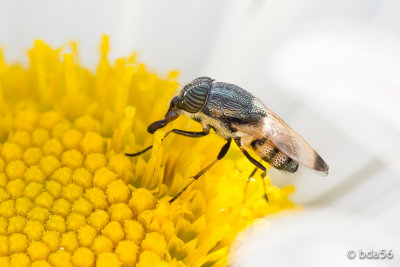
[120, 212]
[72, 139]
[11, 151]
[39, 136]
[34, 174]
[72, 158]
[61, 258]
[18, 242]
[69, 241]
[52, 147]
[95, 161]
[96, 197]
[113, 230]
[34, 230]
[86, 235]
[83, 257]
[102, 244]
[16, 224]
[21, 138]
[92, 143]
[38, 250]
[134, 231]
[19, 260]
[52, 239]
[32, 156]
[7, 208]
[15, 169]
[107, 259]
[98, 219]
[56, 223]
[23, 205]
[127, 251]
[82, 177]
[154, 242]
[15, 188]
[82, 206]
[117, 192]
[62, 175]
[4, 245]
[103, 177]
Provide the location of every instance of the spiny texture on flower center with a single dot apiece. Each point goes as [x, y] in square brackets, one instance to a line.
[69, 196]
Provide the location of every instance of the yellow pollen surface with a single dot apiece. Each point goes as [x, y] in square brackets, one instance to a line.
[70, 197]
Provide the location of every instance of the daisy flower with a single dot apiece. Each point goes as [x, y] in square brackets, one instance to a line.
[70, 197]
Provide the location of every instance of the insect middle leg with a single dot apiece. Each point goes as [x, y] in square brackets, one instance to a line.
[205, 132]
[256, 163]
[221, 154]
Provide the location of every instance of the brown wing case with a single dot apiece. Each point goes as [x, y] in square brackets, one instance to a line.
[286, 140]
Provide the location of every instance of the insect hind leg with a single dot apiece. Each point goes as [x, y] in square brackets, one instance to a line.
[258, 166]
[263, 175]
[247, 182]
[221, 154]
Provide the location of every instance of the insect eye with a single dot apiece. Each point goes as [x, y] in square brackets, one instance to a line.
[194, 99]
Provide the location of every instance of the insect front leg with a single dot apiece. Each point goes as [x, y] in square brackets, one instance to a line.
[221, 154]
[256, 163]
[205, 132]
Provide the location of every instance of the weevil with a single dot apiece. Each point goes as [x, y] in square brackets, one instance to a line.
[235, 114]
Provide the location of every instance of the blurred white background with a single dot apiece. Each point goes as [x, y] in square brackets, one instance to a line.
[331, 69]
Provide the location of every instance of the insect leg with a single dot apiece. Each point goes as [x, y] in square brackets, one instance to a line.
[138, 153]
[221, 154]
[250, 158]
[205, 132]
[263, 175]
[247, 182]
[256, 163]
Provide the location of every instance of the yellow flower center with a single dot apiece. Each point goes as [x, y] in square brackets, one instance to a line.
[70, 197]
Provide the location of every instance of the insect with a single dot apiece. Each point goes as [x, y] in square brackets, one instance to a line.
[235, 114]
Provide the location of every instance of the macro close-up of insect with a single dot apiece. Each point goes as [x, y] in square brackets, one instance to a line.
[235, 114]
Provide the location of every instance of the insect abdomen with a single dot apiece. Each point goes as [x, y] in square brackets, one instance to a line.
[274, 156]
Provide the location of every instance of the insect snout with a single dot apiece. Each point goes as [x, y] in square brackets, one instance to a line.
[171, 115]
[156, 125]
